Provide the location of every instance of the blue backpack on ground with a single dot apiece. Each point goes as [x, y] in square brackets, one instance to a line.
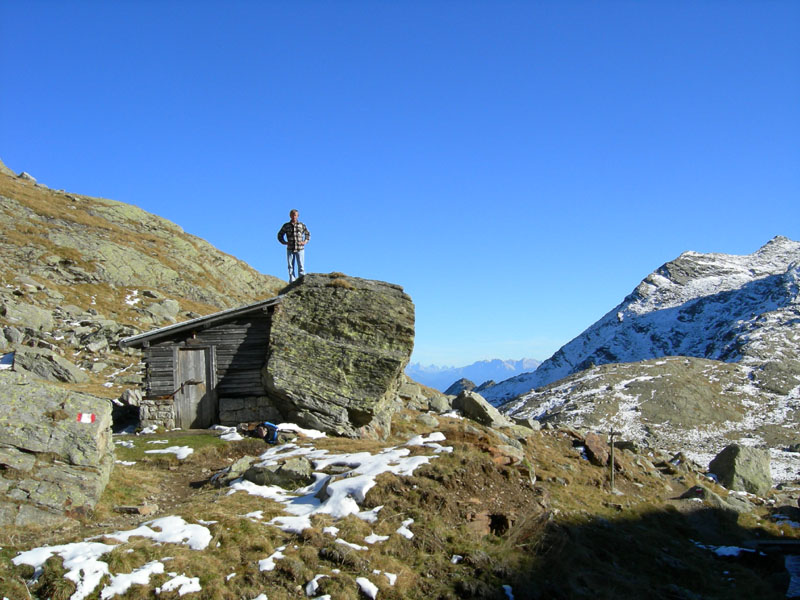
[272, 432]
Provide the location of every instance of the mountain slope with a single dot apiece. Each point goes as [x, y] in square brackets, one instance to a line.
[714, 306]
[78, 273]
[478, 372]
[69, 239]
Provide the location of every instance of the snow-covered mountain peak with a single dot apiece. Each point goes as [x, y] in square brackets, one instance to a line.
[693, 275]
[715, 306]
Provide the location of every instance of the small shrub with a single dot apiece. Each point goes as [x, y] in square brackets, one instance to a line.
[340, 283]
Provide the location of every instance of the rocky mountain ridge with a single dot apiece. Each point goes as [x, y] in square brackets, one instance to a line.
[705, 352]
[722, 307]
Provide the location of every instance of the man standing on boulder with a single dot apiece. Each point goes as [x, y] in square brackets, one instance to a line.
[294, 235]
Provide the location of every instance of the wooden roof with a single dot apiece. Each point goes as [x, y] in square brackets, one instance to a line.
[141, 339]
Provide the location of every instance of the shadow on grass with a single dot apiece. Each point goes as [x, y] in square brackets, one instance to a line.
[662, 554]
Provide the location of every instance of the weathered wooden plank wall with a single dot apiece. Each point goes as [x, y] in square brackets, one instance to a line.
[240, 350]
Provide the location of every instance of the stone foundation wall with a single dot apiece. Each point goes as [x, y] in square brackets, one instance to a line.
[160, 413]
[233, 411]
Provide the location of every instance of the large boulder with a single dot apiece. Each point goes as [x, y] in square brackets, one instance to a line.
[337, 349]
[56, 451]
[743, 468]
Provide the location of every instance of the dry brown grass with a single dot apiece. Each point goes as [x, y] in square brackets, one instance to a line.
[569, 537]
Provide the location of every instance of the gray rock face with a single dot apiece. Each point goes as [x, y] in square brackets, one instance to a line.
[475, 407]
[27, 315]
[459, 386]
[743, 469]
[338, 346]
[55, 465]
[48, 365]
[293, 473]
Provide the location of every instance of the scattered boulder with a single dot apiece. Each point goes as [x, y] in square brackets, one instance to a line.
[428, 420]
[166, 310]
[743, 468]
[27, 177]
[57, 451]
[293, 473]
[439, 404]
[27, 315]
[48, 365]
[731, 504]
[337, 349]
[412, 394]
[475, 407]
[225, 477]
[597, 449]
[528, 422]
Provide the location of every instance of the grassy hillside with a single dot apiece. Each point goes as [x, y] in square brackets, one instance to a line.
[546, 525]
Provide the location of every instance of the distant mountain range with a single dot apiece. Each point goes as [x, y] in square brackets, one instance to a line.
[440, 378]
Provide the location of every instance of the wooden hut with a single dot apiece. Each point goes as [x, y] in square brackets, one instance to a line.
[196, 368]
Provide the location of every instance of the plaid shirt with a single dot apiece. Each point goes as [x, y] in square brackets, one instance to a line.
[295, 233]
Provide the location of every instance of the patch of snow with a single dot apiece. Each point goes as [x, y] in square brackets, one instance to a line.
[350, 545]
[268, 564]
[404, 530]
[229, 434]
[183, 584]
[333, 531]
[313, 585]
[125, 463]
[180, 451]
[80, 560]
[121, 583]
[133, 299]
[174, 530]
[373, 538]
[309, 433]
[369, 589]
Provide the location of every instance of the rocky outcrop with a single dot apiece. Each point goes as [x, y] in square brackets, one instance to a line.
[459, 386]
[56, 451]
[337, 349]
[695, 405]
[475, 407]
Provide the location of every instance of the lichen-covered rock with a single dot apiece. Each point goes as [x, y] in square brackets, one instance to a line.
[475, 407]
[293, 473]
[48, 365]
[56, 464]
[338, 346]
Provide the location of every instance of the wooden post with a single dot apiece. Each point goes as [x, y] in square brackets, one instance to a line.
[611, 462]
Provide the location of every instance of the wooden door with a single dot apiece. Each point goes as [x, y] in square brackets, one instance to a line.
[194, 402]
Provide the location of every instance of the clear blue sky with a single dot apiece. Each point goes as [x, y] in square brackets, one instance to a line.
[518, 167]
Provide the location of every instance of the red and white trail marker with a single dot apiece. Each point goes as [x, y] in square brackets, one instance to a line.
[86, 417]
